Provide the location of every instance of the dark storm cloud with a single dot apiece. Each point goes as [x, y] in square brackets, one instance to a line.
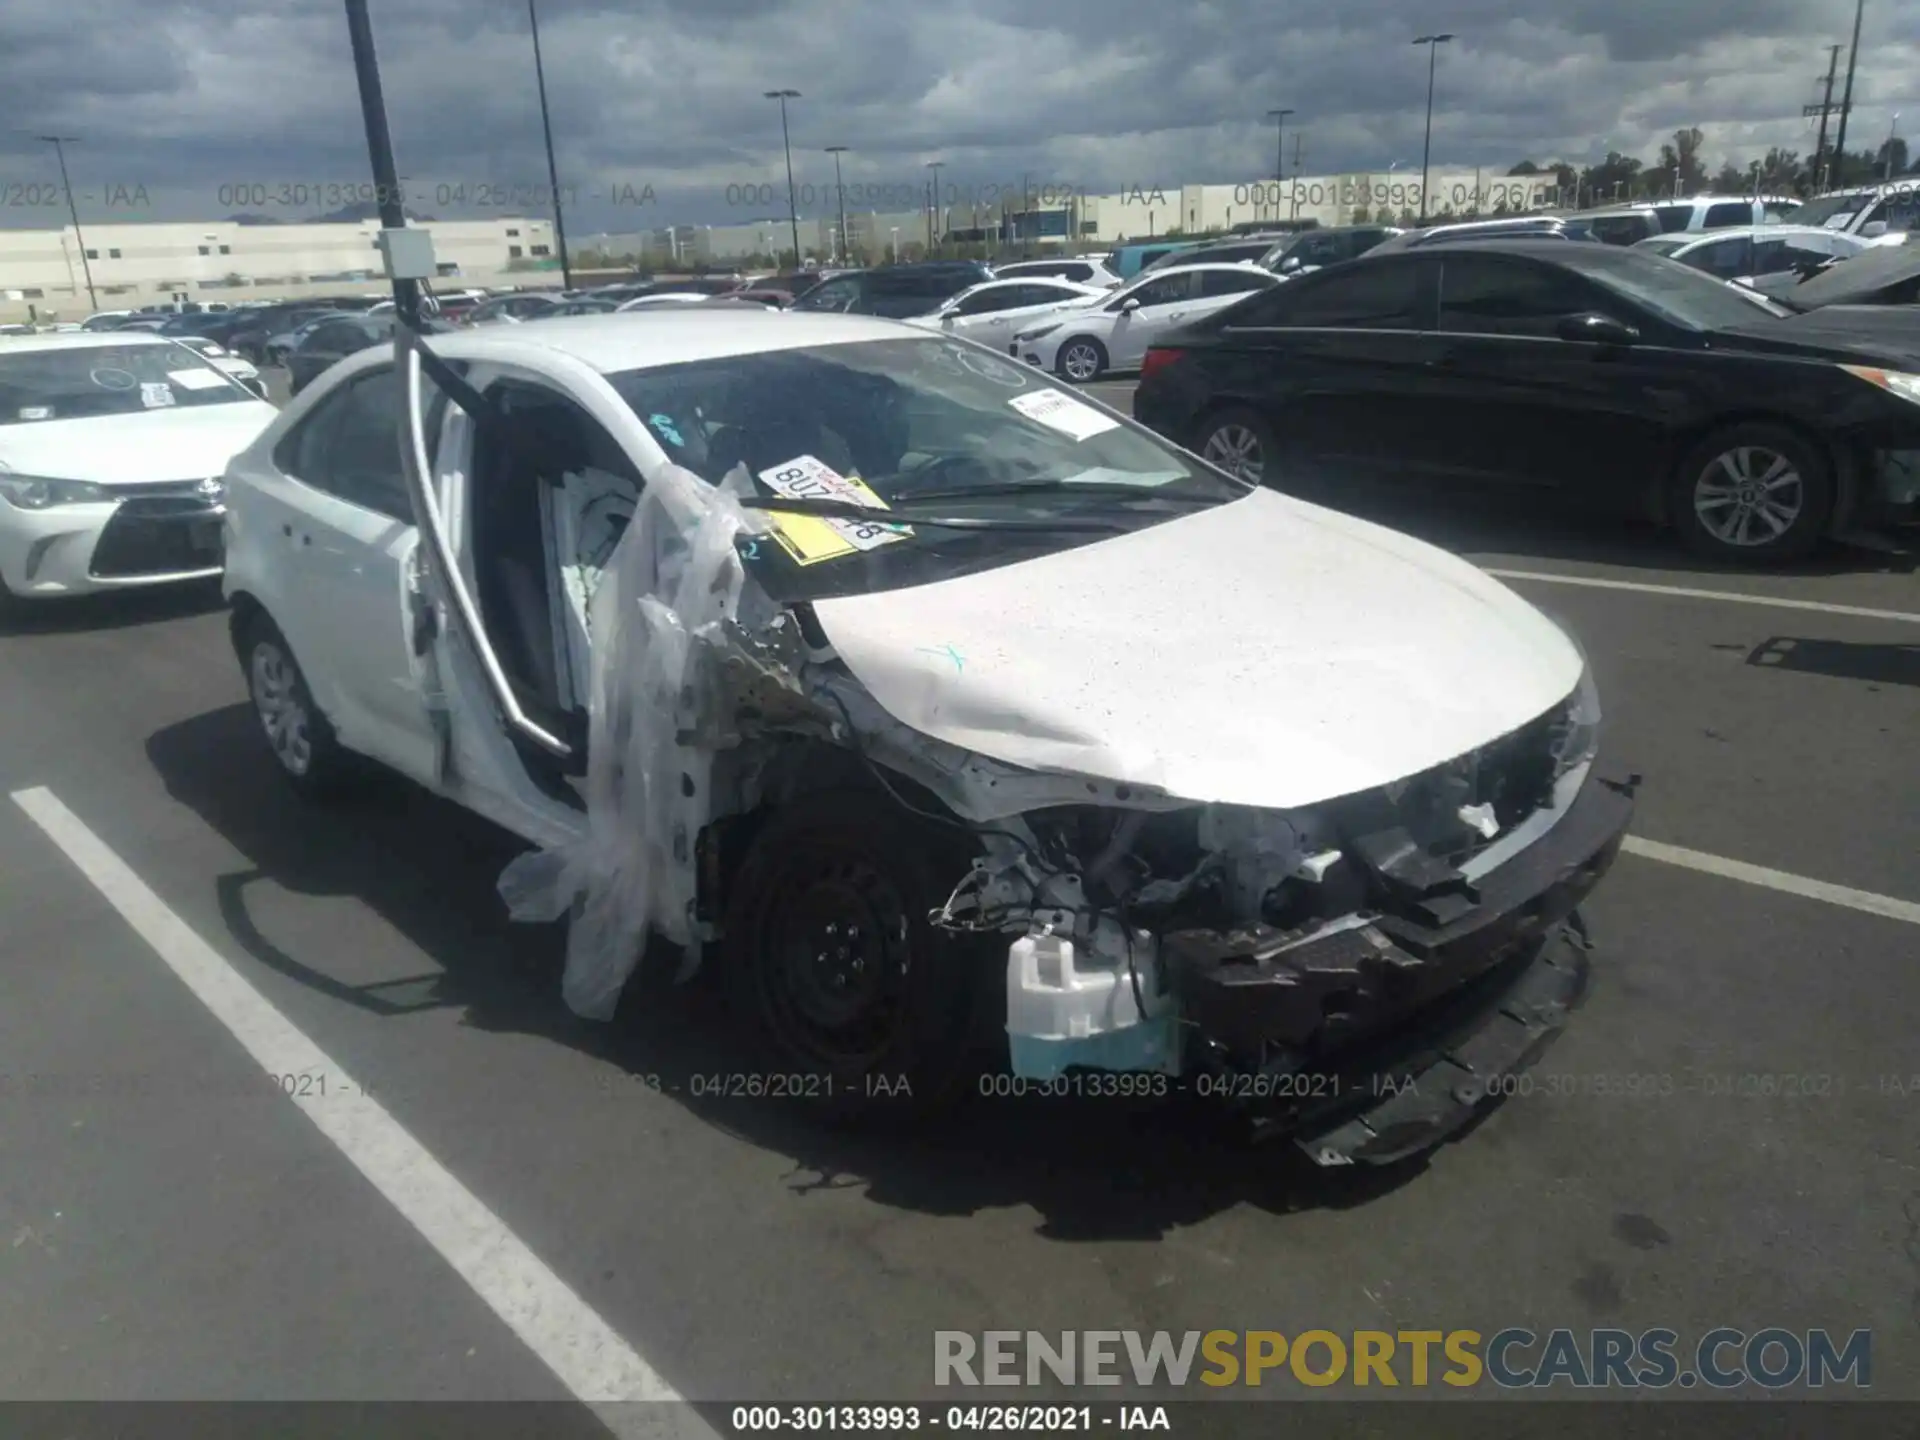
[186, 98]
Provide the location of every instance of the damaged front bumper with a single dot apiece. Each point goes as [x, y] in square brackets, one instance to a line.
[1378, 1039]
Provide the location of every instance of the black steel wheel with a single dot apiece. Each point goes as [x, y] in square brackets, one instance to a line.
[835, 966]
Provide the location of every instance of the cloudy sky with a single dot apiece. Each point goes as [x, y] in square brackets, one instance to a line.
[201, 105]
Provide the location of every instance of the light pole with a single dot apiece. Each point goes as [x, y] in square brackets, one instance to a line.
[59, 143]
[1433, 44]
[1893, 131]
[896, 244]
[793, 208]
[553, 170]
[836, 151]
[933, 200]
[1279, 118]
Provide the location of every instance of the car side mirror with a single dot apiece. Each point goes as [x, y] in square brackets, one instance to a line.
[1290, 264]
[1596, 329]
[1129, 305]
[1873, 229]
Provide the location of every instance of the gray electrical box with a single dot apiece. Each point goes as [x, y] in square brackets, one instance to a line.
[408, 253]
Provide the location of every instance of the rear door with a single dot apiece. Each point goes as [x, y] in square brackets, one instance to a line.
[349, 540]
[1516, 404]
[1336, 362]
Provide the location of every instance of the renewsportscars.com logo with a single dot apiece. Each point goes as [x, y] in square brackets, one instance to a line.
[1513, 1359]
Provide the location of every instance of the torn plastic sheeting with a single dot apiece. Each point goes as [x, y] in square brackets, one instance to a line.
[672, 595]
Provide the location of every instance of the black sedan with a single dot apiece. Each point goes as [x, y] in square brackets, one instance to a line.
[333, 340]
[1600, 373]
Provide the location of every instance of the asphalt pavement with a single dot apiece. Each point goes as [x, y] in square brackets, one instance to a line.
[177, 1226]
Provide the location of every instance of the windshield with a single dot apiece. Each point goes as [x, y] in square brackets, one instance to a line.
[1684, 296]
[1835, 208]
[84, 383]
[934, 427]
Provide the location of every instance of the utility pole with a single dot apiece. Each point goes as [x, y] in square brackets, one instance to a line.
[1846, 101]
[553, 171]
[60, 143]
[933, 200]
[386, 184]
[793, 205]
[1279, 118]
[846, 248]
[1299, 142]
[1433, 44]
[1893, 131]
[1823, 110]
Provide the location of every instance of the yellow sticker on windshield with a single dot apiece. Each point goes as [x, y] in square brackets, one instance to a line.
[810, 539]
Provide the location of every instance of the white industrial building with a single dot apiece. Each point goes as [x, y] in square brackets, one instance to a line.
[43, 273]
[1088, 220]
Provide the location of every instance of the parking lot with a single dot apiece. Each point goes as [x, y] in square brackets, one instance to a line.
[1733, 1136]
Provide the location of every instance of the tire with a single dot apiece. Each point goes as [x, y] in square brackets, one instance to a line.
[833, 964]
[1239, 441]
[302, 743]
[1089, 357]
[1754, 493]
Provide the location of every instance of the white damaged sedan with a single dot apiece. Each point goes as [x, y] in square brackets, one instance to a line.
[954, 717]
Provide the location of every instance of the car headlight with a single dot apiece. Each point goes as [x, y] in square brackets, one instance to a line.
[1894, 382]
[39, 492]
[1038, 334]
[1576, 735]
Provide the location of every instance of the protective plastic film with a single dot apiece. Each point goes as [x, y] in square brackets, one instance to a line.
[664, 621]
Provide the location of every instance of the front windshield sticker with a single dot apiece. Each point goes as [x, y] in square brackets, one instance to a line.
[196, 379]
[1060, 411]
[156, 394]
[37, 412]
[812, 538]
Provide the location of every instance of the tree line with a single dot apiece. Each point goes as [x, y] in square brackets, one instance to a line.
[1680, 168]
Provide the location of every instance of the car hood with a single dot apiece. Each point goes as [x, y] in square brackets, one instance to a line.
[1265, 652]
[1860, 277]
[145, 449]
[1857, 334]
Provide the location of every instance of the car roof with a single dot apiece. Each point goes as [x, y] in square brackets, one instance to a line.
[1755, 232]
[1235, 266]
[83, 340]
[669, 335]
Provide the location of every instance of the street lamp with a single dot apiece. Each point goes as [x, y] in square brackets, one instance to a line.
[793, 209]
[836, 151]
[553, 170]
[1279, 117]
[59, 143]
[896, 243]
[1433, 44]
[1893, 130]
[933, 201]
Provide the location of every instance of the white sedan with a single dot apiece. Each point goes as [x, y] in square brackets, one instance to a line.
[111, 451]
[995, 311]
[768, 575]
[1115, 330]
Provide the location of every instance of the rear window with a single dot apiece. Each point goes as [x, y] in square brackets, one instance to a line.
[1732, 213]
[82, 384]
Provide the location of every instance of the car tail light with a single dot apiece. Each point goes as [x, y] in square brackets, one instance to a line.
[1156, 360]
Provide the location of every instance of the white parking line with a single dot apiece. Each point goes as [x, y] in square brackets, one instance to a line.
[589, 1358]
[1700, 860]
[1685, 593]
